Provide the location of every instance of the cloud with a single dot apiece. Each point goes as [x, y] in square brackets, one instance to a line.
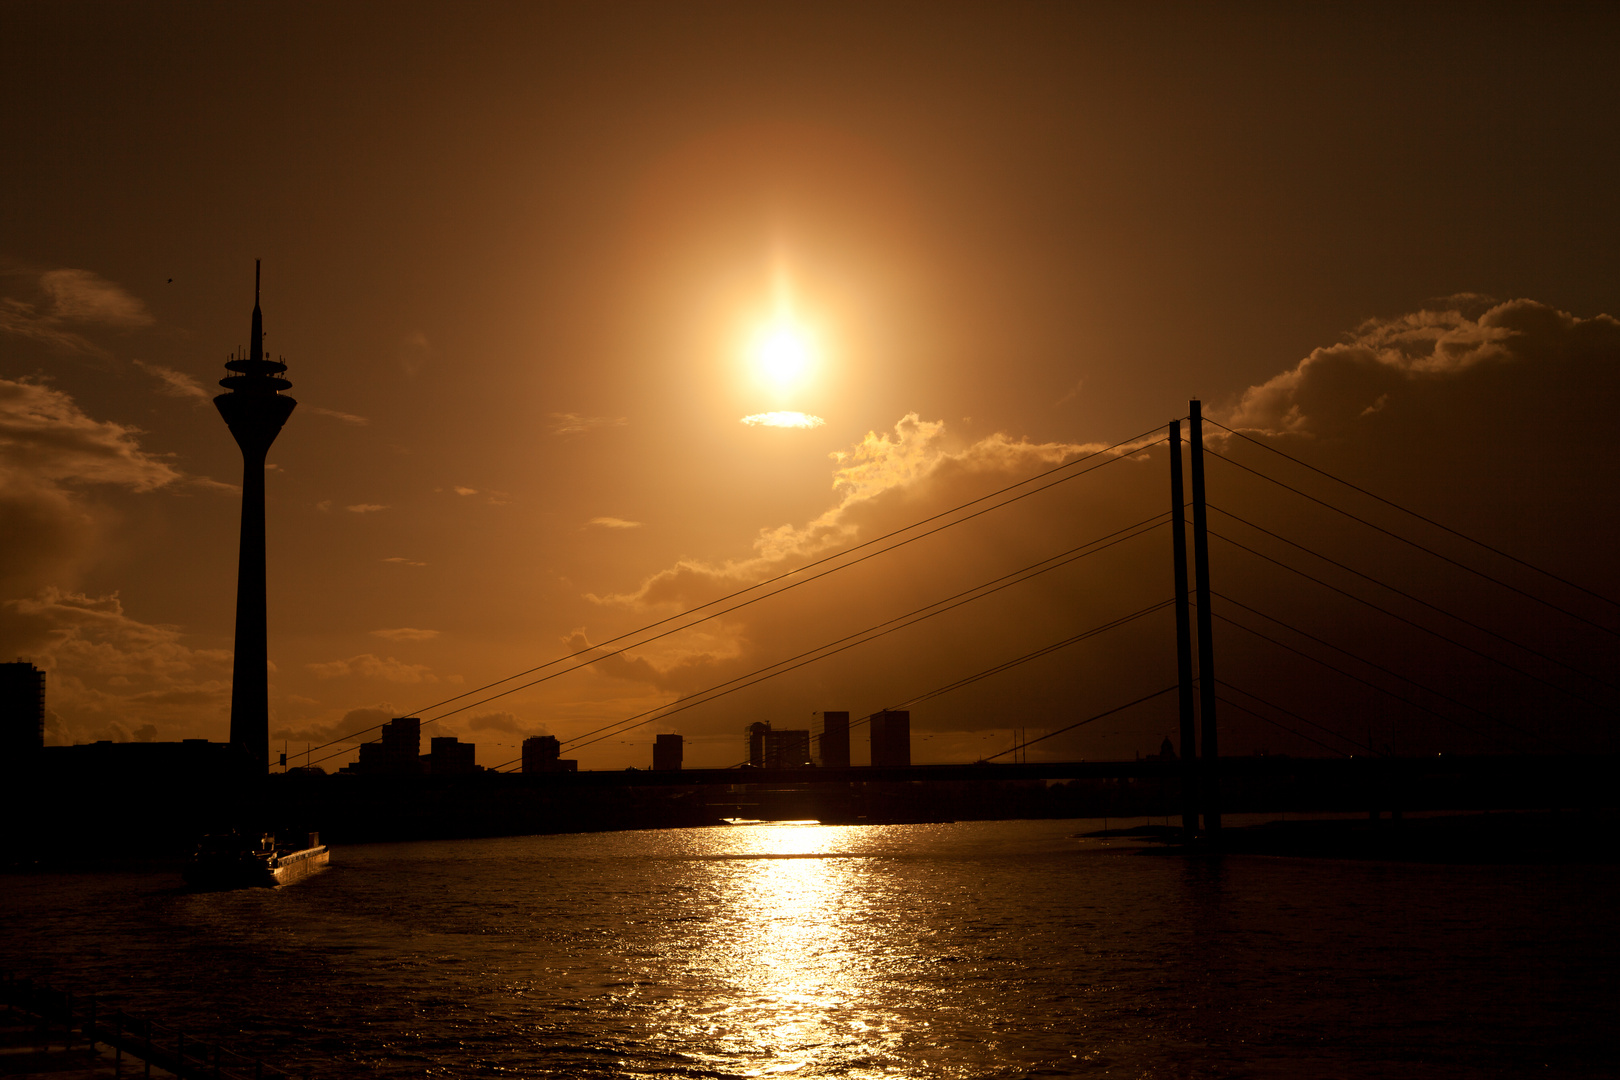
[104, 665]
[106, 668]
[615, 523]
[578, 424]
[82, 296]
[1388, 361]
[68, 300]
[406, 633]
[50, 451]
[459, 490]
[638, 669]
[355, 727]
[400, 560]
[347, 418]
[365, 508]
[369, 666]
[219, 487]
[783, 420]
[45, 436]
[915, 455]
[176, 383]
[503, 721]
[887, 481]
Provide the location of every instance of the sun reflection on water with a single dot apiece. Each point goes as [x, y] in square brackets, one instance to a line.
[789, 946]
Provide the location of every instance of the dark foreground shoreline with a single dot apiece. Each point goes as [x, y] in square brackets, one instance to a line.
[1517, 837]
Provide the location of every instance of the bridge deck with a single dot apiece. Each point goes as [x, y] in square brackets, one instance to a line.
[1502, 766]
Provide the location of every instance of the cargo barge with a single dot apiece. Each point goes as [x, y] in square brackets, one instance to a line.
[235, 862]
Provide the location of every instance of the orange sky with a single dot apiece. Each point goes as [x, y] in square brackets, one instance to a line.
[512, 255]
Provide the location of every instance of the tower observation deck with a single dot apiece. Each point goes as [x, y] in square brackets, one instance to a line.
[254, 407]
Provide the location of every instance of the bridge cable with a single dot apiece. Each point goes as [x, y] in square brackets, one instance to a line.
[1083, 723]
[1291, 731]
[1427, 630]
[1416, 600]
[1368, 683]
[665, 710]
[836, 556]
[1427, 520]
[958, 684]
[912, 617]
[1413, 543]
[1370, 663]
[746, 603]
[1135, 439]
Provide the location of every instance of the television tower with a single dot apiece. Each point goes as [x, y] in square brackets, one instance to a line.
[254, 408]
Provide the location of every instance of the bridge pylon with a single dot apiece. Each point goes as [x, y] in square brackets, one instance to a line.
[1209, 756]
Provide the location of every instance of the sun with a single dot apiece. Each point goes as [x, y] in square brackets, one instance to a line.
[783, 353]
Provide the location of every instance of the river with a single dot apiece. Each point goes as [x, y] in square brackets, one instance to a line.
[982, 949]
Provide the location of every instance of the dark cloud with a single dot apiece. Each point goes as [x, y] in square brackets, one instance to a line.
[1388, 361]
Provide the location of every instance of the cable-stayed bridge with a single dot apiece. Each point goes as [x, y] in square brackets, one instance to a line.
[1502, 666]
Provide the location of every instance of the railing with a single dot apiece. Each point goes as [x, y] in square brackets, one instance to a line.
[61, 1017]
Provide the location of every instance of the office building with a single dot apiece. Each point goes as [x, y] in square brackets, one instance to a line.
[830, 737]
[449, 756]
[667, 753]
[891, 737]
[541, 755]
[398, 752]
[22, 712]
[769, 749]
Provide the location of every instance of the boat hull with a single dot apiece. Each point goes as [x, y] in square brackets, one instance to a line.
[298, 865]
[248, 868]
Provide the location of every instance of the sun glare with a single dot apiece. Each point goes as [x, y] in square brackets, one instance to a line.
[783, 354]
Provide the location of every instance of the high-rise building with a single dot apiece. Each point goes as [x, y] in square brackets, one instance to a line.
[541, 754]
[830, 731]
[449, 756]
[397, 753]
[22, 712]
[667, 751]
[754, 734]
[768, 749]
[891, 737]
[254, 408]
[787, 749]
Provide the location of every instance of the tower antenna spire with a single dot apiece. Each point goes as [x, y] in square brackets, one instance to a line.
[258, 318]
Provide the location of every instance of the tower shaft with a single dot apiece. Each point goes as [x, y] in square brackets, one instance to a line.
[250, 679]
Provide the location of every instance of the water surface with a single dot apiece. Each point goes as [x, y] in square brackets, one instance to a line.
[985, 949]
